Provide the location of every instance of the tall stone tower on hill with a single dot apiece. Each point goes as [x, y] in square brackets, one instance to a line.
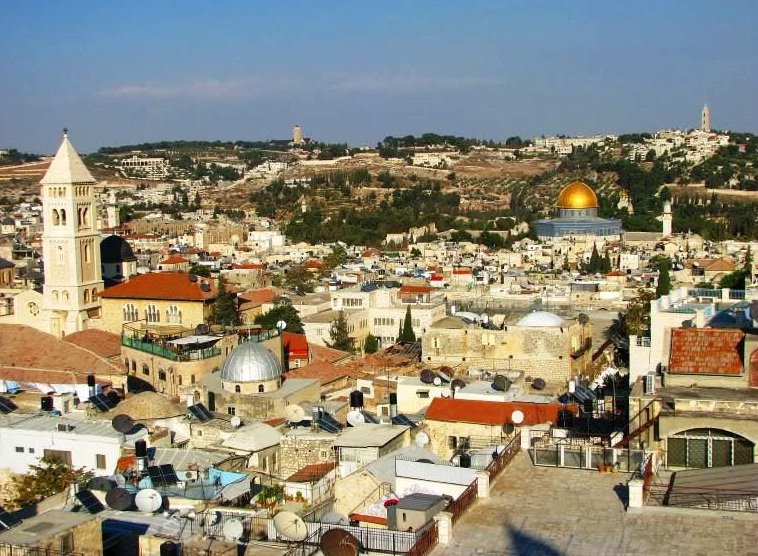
[70, 243]
[705, 119]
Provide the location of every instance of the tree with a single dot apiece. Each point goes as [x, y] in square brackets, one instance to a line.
[224, 309]
[406, 332]
[299, 278]
[340, 335]
[664, 277]
[49, 477]
[286, 313]
[370, 344]
[634, 320]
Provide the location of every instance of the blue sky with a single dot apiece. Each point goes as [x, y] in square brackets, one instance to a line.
[125, 72]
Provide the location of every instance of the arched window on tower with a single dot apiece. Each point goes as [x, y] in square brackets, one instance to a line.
[261, 388]
[56, 217]
[152, 314]
[63, 217]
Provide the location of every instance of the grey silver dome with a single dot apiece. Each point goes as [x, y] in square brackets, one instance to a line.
[251, 362]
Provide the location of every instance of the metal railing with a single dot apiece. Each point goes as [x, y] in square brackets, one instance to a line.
[168, 353]
[737, 500]
[505, 457]
[426, 542]
[461, 504]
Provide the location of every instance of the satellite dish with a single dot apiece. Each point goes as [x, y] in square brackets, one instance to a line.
[233, 529]
[538, 384]
[294, 413]
[446, 392]
[338, 542]
[193, 278]
[517, 417]
[458, 383]
[443, 375]
[122, 423]
[202, 329]
[235, 421]
[290, 526]
[118, 498]
[205, 286]
[148, 500]
[437, 381]
[335, 518]
[427, 376]
[355, 418]
[422, 439]
[281, 324]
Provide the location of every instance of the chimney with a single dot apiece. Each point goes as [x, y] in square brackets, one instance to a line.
[140, 449]
[393, 405]
[91, 385]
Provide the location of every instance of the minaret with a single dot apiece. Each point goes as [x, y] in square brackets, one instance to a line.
[297, 135]
[70, 243]
[668, 219]
[705, 119]
[112, 211]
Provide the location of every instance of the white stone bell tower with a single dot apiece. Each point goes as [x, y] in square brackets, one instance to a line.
[70, 243]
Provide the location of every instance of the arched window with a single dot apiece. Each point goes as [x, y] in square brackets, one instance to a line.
[94, 294]
[145, 369]
[237, 388]
[55, 296]
[87, 252]
[134, 366]
[261, 388]
[173, 315]
[56, 218]
[152, 314]
[702, 448]
[86, 296]
[65, 295]
[130, 313]
[63, 217]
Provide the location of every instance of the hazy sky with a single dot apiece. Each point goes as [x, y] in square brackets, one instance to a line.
[356, 71]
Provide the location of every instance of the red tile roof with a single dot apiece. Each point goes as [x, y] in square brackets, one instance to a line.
[162, 285]
[706, 351]
[31, 350]
[414, 289]
[258, 297]
[462, 271]
[493, 413]
[313, 263]
[312, 472]
[174, 259]
[296, 345]
[330, 355]
[325, 372]
[102, 343]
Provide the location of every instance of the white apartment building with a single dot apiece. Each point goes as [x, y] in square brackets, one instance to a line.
[25, 438]
[147, 168]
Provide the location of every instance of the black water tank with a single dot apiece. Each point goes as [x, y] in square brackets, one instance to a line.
[356, 398]
[169, 548]
[565, 419]
[140, 448]
[90, 380]
[393, 398]
[46, 403]
[465, 460]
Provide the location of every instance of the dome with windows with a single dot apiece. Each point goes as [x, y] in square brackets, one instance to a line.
[577, 195]
[251, 362]
[540, 319]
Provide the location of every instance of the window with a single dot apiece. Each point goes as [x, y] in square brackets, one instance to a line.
[261, 388]
[20, 449]
[145, 369]
[152, 314]
[31, 450]
[422, 393]
[452, 442]
[100, 461]
[231, 410]
[33, 308]
[67, 544]
[237, 388]
[130, 312]
[366, 389]
[173, 315]
[179, 380]
[161, 374]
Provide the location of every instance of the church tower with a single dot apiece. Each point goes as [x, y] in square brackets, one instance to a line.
[668, 219]
[70, 243]
[705, 119]
[112, 216]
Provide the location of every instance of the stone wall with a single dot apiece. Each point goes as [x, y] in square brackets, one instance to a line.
[304, 448]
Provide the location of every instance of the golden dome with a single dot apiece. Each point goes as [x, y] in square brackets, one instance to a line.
[577, 195]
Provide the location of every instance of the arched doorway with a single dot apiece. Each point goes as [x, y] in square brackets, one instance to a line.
[701, 448]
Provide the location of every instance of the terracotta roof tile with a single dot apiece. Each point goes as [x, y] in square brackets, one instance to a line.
[162, 285]
[493, 413]
[415, 289]
[312, 472]
[258, 297]
[325, 372]
[102, 343]
[28, 348]
[174, 259]
[296, 345]
[706, 351]
[330, 355]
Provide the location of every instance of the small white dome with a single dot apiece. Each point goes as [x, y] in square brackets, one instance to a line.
[251, 362]
[540, 319]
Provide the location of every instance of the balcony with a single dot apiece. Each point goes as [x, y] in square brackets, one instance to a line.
[167, 351]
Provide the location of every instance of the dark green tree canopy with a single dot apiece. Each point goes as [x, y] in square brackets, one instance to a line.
[224, 310]
[340, 334]
[407, 334]
[284, 312]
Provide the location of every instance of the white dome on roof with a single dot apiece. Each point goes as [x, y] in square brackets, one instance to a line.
[251, 362]
[541, 319]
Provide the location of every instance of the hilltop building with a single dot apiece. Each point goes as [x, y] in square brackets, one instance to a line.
[577, 206]
[297, 135]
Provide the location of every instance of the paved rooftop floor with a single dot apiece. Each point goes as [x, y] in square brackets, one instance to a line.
[548, 512]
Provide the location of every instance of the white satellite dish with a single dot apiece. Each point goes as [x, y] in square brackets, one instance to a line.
[293, 413]
[235, 421]
[446, 392]
[517, 417]
[281, 324]
[444, 376]
[290, 526]
[355, 418]
[148, 500]
[437, 381]
[422, 439]
[233, 529]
